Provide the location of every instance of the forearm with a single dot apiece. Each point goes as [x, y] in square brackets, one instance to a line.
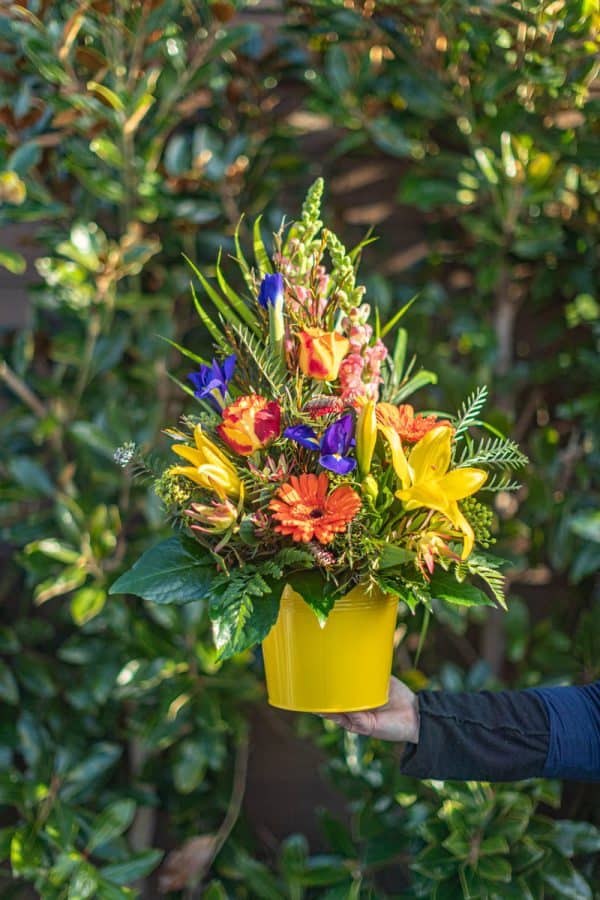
[479, 736]
[507, 736]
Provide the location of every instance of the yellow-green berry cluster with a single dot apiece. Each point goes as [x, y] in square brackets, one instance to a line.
[172, 490]
[480, 518]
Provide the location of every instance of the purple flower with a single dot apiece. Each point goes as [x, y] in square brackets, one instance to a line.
[334, 445]
[303, 435]
[271, 290]
[211, 382]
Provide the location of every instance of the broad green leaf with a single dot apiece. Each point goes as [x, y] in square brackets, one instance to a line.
[445, 587]
[317, 593]
[565, 880]
[107, 151]
[111, 98]
[394, 556]
[190, 766]
[111, 822]
[24, 158]
[572, 838]
[236, 627]
[12, 261]
[87, 603]
[167, 573]
[131, 870]
[84, 884]
[100, 758]
[68, 580]
[494, 868]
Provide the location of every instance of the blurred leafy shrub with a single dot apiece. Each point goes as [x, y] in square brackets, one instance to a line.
[130, 132]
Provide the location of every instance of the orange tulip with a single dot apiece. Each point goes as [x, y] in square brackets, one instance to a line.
[250, 423]
[321, 353]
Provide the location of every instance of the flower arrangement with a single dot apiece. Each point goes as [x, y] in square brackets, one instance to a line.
[299, 461]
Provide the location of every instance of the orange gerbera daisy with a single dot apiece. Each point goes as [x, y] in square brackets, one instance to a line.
[402, 419]
[305, 510]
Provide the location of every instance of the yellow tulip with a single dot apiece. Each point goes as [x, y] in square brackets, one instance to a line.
[366, 435]
[320, 353]
[427, 482]
[210, 467]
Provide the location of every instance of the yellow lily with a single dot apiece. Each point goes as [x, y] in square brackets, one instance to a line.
[427, 482]
[210, 467]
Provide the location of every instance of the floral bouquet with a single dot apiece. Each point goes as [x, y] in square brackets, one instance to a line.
[301, 468]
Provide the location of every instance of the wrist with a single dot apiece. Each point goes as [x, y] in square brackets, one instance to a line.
[415, 721]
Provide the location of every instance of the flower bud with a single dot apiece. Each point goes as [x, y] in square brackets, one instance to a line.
[369, 488]
[366, 436]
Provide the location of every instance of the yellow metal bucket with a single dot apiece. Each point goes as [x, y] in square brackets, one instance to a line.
[343, 666]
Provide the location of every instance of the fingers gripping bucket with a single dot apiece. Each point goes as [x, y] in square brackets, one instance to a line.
[343, 666]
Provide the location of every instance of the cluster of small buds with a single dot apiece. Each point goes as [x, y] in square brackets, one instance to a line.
[321, 556]
[323, 406]
[172, 490]
[124, 454]
[360, 372]
[480, 518]
[272, 471]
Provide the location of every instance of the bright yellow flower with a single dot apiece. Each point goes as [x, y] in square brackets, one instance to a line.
[210, 467]
[366, 435]
[427, 482]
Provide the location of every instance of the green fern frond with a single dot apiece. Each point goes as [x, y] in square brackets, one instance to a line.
[468, 413]
[488, 569]
[492, 452]
[269, 370]
[500, 482]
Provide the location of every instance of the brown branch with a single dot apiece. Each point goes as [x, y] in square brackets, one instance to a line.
[18, 387]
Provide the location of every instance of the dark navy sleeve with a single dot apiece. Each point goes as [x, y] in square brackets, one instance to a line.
[485, 736]
[574, 722]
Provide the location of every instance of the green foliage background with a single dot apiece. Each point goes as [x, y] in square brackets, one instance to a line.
[131, 132]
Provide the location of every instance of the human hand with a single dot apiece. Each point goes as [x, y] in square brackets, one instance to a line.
[397, 720]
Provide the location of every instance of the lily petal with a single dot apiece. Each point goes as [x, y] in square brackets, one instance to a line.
[430, 457]
[461, 483]
[398, 458]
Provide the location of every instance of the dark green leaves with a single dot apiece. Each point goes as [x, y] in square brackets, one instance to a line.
[445, 587]
[243, 608]
[170, 572]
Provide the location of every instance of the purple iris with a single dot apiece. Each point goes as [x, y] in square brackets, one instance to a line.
[213, 380]
[271, 290]
[303, 435]
[334, 446]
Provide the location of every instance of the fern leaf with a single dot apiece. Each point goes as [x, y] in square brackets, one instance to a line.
[493, 452]
[500, 482]
[270, 370]
[488, 569]
[468, 414]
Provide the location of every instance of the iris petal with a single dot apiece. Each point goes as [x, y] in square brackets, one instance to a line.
[341, 465]
[303, 435]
